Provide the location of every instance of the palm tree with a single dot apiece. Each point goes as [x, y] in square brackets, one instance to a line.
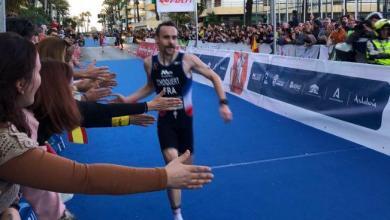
[136, 2]
[102, 18]
[88, 15]
[112, 9]
[76, 19]
[155, 11]
[82, 20]
[62, 7]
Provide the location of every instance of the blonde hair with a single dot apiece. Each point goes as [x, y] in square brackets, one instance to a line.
[52, 47]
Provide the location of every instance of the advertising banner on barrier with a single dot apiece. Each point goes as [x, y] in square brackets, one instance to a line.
[109, 41]
[216, 60]
[348, 100]
[238, 72]
[333, 95]
[146, 49]
[175, 5]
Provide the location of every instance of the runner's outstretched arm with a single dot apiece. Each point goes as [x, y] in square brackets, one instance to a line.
[207, 72]
[147, 89]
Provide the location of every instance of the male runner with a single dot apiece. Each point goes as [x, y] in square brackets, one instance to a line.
[170, 72]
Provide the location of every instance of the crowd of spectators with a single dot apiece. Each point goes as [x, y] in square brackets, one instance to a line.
[347, 38]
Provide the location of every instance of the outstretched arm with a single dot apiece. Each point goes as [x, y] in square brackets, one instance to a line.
[147, 89]
[207, 72]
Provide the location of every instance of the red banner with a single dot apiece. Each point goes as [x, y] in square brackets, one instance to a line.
[238, 72]
[146, 49]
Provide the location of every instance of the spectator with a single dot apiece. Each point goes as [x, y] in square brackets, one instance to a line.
[338, 35]
[378, 50]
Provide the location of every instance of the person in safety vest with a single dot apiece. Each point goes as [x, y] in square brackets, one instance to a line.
[378, 49]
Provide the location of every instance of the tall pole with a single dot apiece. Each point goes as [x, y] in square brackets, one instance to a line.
[326, 8]
[127, 18]
[2, 16]
[196, 23]
[311, 7]
[304, 10]
[287, 11]
[273, 13]
[356, 9]
[268, 12]
[244, 13]
[278, 10]
[344, 7]
[320, 8]
[257, 12]
[331, 9]
[378, 5]
[45, 6]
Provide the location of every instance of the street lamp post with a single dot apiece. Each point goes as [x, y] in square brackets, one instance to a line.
[2, 16]
[244, 12]
[136, 2]
[127, 19]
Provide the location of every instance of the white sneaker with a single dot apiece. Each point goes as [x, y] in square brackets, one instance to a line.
[66, 197]
[177, 216]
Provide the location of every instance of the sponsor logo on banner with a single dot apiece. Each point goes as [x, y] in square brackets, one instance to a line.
[351, 99]
[266, 78]
[218, 64]
[295, 87]
[314, 89]
[277, 82]
[258, 77]
[238, 72]
[365, 101]
[337, 94]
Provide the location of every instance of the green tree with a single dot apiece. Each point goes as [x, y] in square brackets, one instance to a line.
[88, 15]
[180, 18]
[212, 18]
[15, 6]
[35, 15]
[69, 22]
[62, 7]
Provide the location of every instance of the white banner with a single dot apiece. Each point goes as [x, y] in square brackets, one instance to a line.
[129, 40]
[110, 41]
[150, 40]
[175, 5]
[220, 46]
[349, 100]
[312, 52]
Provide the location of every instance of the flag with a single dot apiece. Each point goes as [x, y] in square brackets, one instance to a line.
[254, 47]
[120, 121]
[78, 136]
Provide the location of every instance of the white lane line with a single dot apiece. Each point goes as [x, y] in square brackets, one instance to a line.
[285, 158]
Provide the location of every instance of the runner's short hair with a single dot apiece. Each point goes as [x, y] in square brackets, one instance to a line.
[167, 24]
